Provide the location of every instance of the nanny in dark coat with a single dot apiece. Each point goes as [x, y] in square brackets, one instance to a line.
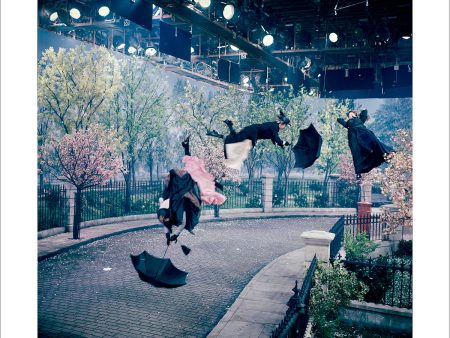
[183, 195]
[367, 151]
[238, 144]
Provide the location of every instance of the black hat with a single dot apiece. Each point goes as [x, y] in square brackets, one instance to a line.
[283, 118]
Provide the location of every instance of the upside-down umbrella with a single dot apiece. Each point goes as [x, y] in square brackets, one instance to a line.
[159, 272]
[307, 149]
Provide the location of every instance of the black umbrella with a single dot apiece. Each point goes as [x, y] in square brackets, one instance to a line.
[307, 149]
[159, 272]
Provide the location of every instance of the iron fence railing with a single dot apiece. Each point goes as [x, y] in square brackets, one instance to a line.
[389, 279]
[53, 206]
[372, 225]
[247, 194]
[314, 194]
[296, 318]
[108, 200]
[338, 231]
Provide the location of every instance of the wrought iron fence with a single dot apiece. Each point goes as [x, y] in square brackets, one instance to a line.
[372, 225]
[247, 194]
[314, 194]
[296, 318]
[338, 231]
[53, 207]
[389, 279]
[108, 200]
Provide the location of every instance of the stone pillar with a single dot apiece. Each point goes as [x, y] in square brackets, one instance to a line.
[70, 191]
[366, 192]
[317, 243]
[267, 191]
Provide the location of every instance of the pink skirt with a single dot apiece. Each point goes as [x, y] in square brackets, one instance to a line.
[196, 168]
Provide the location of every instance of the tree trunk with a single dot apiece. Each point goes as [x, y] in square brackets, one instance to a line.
[77, 216]
[150, 166]
[127, 204]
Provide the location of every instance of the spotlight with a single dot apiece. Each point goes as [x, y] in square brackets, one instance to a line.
[267, 40]
[205, 3]
[75, 13]
[245, 79]
[192, 50]
[333, 37]
[406, 37]
[104, 11]
[150, 51]
[228, 12]
[54, 16]
[234, 48]
[121, 46]
[132, 50]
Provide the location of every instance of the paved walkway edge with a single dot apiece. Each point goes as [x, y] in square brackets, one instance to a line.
[53, 245]
[262, 304]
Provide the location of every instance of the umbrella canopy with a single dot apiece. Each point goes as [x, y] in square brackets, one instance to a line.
[159, 272]
[307, 149]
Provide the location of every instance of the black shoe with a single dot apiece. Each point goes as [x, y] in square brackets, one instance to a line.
[185, 143]
[174, 238]
[185, 249]
[218, 185]
[213, 133]
[228, 123]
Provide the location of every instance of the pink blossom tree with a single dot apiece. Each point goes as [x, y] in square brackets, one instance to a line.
[84, 158]
[346, 172]
[213, 156]
[396, 182]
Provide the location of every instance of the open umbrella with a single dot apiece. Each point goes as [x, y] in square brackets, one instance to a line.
[307, 149]
[159, 272]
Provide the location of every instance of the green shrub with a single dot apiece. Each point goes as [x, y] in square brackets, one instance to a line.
[404, 248]
[144, 206]
[321, 200]
[347, 194]
[254, 202]
[333, 288]
[358, 247]
[300, 200]
[278, 197]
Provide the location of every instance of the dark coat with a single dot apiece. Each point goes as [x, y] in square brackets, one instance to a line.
[367, 151]
[254, 132]
[184, 195]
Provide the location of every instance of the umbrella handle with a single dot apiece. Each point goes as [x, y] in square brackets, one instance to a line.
[159, 269]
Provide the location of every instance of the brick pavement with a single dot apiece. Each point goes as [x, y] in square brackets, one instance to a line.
[79, 297]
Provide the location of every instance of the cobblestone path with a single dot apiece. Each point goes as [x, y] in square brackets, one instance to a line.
[94, 291]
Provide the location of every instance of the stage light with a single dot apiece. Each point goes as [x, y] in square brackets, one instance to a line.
[267, 40]
[192, 50]
[228, 12]
[333, 37]
[234, 48]
[121, 46]
[75, 13]
[205, 3]
[104, 11]
[151, 51]
[132, 50]
[406, 37]
[245, 79]
[54, 16]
